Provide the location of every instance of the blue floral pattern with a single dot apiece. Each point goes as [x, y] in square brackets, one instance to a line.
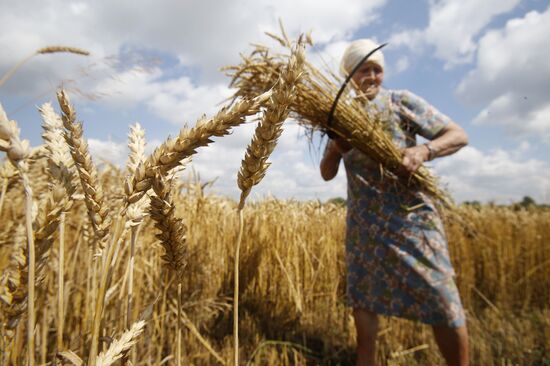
[396, 249]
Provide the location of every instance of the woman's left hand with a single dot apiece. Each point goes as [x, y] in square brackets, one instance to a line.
[414, 157]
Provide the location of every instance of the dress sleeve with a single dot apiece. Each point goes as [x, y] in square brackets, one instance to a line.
[425, 119]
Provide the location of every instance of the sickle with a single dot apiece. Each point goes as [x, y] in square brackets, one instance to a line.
[331, 134]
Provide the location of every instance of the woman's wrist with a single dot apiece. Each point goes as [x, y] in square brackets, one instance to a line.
[432, 153]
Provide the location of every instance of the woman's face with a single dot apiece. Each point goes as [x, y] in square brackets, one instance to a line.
[368, 79]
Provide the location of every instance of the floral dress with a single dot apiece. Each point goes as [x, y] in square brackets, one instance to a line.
[396, 250]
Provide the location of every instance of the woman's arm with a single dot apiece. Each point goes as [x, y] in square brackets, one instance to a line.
[331, 158]
[448, 141]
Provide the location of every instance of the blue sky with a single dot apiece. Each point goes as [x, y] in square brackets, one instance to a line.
[157, 63]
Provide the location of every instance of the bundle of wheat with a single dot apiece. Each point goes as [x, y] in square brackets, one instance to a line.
[315, 94]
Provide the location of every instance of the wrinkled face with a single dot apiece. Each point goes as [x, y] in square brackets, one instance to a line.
[368, 79]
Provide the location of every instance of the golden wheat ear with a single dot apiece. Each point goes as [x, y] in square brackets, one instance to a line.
[119, 346]
[63, 49]
[87, 171]
[172, 230]
[42, 51]
[254, 164]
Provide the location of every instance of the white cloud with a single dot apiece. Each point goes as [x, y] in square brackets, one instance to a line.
[205, 35]
[501, 176]
[402, 64]
[108, 151]
[512, 77]
[453, 27]
[115, 152]
[175, 100]
[194, 38]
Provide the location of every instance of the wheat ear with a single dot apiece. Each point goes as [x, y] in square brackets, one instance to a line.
[172, 230]
[65, 49]
[93, 194]
[173, 151]
[254, 164]
[42, 51]
[119, 346]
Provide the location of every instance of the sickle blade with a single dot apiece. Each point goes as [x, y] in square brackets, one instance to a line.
[331, 134]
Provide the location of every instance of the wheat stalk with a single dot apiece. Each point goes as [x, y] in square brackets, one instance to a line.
[119, 233]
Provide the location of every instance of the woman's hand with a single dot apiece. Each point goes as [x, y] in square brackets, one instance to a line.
[332, 156]
[414, 157]
[341, 145]
[448, 141]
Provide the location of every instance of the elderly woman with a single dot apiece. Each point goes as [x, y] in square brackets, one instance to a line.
[396, 251]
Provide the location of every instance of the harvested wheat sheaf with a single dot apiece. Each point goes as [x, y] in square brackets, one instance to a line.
[315, 94]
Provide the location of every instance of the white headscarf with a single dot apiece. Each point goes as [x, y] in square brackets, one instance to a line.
[355, 53]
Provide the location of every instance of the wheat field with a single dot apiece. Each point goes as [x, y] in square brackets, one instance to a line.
[292, 285]
[104, 265]
[292, 278]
